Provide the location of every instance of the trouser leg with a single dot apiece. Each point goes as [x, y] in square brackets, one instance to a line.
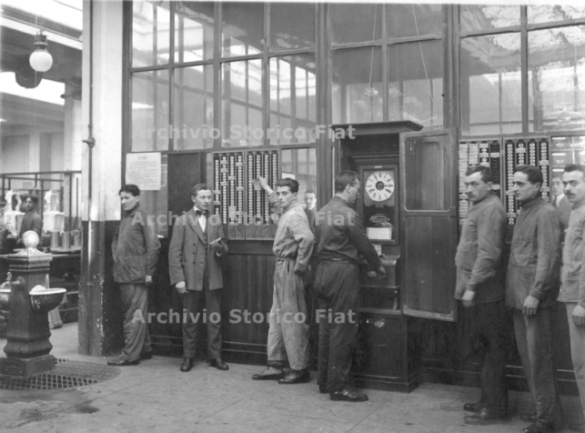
[275, 344]
[324, 335]
[191, 301]
[295, 329]
[491, 318]
[540, 355]
[534, 339]
[577, 336]
[522, 345]
[134, 299]
[474, 346]
[342, 288]
[213, 305]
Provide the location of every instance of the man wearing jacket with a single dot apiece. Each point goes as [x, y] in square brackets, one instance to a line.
[288, 332]
[572, 292]
[341, 242]
[197, 245]
[32, 219]
[135, 251]
[531, 292]
[481, 289]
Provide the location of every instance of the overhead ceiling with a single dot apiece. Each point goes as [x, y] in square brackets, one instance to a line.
[17, 36]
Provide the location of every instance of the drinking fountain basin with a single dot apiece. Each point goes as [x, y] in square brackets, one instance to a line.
[43, 300]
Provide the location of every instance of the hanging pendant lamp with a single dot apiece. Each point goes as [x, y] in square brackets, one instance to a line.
[40, 59]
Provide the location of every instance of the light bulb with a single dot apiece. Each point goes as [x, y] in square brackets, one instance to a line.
[41, 60]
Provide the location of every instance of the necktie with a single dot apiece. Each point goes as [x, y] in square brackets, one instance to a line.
[202, 214]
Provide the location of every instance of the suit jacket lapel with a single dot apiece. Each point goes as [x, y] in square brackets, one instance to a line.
[193, 222]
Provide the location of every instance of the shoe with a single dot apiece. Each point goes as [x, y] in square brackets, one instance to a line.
[472, 407]
[323, 388]
[485, 416]
[146, 355]
[539, 427]
[120, 362]
[269, 374]
[219, 364]
[296, 376]
[527, 416]
[348, 394]
[187, 364]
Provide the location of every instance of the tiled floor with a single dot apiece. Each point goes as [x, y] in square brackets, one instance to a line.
[156, 397]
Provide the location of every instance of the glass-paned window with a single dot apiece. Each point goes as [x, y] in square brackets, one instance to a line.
[556, 67]
[292, 99]
[292, 26]
[425, 175]
[414, 19]
[150, 33]
[241, 94]
[242, 29]
[194, 27]
[193, 108]
[544, 13]
[487, 17]
[355, 22]
[150, 111]
[155, 203]
[415, 83]
[490, 85]
[301, 164]
[357, 90]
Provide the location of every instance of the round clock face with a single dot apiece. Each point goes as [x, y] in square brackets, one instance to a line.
[380, 185]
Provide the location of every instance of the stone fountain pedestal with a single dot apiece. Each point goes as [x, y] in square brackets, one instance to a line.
[28, 347]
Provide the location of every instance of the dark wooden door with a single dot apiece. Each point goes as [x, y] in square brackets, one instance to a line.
[429, 208]
[164, 303]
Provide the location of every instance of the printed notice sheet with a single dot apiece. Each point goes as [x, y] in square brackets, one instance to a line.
[144, 170]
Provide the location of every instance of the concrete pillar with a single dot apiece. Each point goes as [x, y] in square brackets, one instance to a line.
[99, 317]
[73, 128]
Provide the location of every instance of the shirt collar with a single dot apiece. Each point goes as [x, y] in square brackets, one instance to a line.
[291, 205]
[578, 206]
[532, 202]
[132, 211]
[342, 200]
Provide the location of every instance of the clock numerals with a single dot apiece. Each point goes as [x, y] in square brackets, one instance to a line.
[380, 185]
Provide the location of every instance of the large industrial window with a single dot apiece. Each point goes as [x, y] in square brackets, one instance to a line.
[357, 91]
[522, 68]
[491, 93]
[387, 63]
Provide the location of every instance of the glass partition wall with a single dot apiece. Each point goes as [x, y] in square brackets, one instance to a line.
[522, 69]
[227, 77]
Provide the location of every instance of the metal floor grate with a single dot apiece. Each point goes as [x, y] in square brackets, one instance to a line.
[66, 374]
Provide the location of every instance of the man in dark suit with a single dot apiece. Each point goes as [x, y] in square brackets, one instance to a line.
[195, 251]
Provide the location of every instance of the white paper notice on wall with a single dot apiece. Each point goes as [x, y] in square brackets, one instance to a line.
[144, 170]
